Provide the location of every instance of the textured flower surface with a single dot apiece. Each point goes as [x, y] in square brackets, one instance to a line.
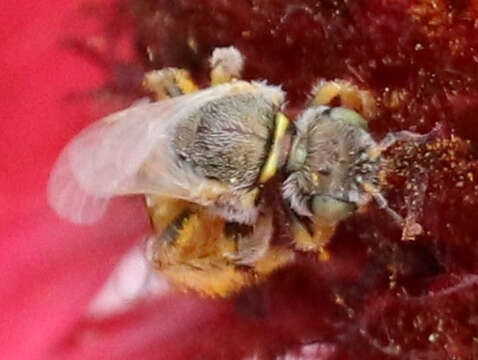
[377, 296]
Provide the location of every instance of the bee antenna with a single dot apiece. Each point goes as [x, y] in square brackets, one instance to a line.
[382, 203]
[404, 135]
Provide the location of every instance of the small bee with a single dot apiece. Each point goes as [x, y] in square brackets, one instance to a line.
[202, 158]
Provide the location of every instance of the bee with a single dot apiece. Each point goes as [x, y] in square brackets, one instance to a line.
[202, 159]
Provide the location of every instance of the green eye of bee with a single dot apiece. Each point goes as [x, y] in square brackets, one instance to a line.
[349, 116]
[297, 157]
[329, 208]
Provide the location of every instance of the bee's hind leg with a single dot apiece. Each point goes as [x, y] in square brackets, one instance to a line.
[189, 248]
[257, 252]
[252, 247]
[169, 82]
[226, 65]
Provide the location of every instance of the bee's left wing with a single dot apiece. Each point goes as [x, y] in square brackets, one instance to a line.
[131, 152]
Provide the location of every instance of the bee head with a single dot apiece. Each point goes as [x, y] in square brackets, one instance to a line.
[329, 162]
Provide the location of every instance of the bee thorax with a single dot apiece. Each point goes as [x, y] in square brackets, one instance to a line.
[227, 139]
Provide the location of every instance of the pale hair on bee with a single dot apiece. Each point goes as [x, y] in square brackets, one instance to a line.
[174, 148]
[202, 157]
[226, 62]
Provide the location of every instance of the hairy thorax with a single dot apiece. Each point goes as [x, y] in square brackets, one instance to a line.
[227, 139]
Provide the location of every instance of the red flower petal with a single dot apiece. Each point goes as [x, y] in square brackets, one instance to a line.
[376, 297]
[50, 269]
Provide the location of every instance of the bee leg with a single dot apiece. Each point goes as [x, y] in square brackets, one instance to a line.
[382, 203]
[345, 94]
[165, 211]
[226, 64]
[169, 82]
[251, 248]
[193, 251]
[410, 227]
[190, 246]
[328, 212]
[315, 240]
[257, 252]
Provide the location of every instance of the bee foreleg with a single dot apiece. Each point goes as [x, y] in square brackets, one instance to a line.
[315, 240]
[169, 82]
[327, 213]
[226, 64]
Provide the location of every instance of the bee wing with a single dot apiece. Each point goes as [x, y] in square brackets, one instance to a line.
[129, 152]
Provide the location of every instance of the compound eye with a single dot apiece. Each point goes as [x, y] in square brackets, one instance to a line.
[331, 209]
[349, 117]
[297, 157]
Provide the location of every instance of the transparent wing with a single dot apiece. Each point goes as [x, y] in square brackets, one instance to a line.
[129, 152]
